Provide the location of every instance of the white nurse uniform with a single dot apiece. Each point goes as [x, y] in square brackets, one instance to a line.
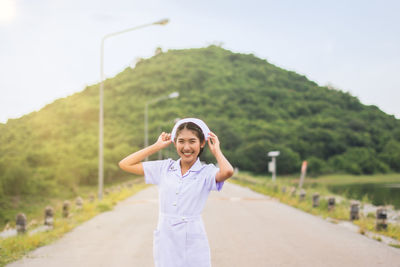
[180, 239]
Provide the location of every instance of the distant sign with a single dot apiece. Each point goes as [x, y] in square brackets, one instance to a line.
[273, 153]
[271, 166]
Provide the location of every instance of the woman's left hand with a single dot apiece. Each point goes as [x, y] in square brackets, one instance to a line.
[213, 143]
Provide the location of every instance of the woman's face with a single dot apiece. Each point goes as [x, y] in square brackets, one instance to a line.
[188, 146]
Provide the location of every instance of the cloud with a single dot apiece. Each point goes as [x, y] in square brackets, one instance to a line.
[8, 11]
[103, 17]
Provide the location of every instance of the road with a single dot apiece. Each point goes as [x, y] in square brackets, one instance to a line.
[244, 229]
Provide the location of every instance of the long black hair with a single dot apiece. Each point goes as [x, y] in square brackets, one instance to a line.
[195, 129]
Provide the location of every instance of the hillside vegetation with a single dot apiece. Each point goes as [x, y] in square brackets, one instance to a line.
[253, 106]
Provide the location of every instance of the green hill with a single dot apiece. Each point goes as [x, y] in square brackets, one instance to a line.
[253, 106]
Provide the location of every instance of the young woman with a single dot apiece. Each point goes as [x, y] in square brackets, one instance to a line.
[180, 239]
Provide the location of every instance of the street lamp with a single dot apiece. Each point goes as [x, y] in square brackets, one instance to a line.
[101, 113]
[146, 111]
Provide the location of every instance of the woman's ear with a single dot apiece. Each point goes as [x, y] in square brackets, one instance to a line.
[203, 144]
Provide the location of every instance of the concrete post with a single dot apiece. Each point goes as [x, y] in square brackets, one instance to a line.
[293, 191]
[48, 216]
[331, 203]
[315, 199]
[21, 223]
[381, 216]
[66, 209]
[79, 202]
[302, 195]
[276, 188]
[354, 210]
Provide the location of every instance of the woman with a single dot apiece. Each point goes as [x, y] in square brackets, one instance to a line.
[180, 238]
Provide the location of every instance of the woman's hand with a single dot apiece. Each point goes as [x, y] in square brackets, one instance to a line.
[133, 164]
[164, 140]
[213, 143]
[225, 168]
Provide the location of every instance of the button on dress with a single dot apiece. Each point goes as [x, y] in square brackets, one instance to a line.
[180, 239]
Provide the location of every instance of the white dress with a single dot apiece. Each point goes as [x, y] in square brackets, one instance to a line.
[180, 239]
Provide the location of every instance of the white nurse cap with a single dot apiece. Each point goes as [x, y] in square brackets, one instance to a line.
[198, 122]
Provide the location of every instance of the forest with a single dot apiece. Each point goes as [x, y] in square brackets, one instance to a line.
[253, 106]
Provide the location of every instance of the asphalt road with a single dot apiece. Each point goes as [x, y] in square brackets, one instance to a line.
[244, 229]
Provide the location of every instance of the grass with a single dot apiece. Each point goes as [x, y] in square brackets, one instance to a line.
[33, 205]
[395, 245]
[377, 238]
[14, 248]
[264, 185]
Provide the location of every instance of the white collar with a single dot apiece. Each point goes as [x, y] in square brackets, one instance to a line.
[176, 166]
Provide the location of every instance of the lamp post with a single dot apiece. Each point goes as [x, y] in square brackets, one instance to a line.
[146, 116]
[101, 113]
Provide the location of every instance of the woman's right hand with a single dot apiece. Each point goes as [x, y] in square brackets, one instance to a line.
[164, 140]
[133, 164]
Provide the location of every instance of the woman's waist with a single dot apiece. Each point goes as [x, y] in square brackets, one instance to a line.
[183, 217]
[189, 222]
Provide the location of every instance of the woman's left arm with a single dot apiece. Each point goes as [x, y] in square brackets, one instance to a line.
[225, 168]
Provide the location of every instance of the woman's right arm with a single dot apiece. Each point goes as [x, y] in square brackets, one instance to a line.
[133, 162]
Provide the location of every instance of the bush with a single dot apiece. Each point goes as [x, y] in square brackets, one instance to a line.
[316, 166]
[359, 160]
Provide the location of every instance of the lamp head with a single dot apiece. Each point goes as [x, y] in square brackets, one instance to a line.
[162, 22]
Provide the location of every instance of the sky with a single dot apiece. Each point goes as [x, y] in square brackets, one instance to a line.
[51, 48]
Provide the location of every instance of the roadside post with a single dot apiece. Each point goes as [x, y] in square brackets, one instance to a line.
[49, 216]
[381, 217]
[302, 195]
[331, 203]
[79, 202]
[65, 209]
[272, 163]
[293, 191]
[303, 173]
[21, 223]
[315, 199]
[354, 210]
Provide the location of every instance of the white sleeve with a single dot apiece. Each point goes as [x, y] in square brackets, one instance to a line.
[211, 183]
[153, 170]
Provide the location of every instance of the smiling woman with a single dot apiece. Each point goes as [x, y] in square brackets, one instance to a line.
[180, 239]
[8, 11]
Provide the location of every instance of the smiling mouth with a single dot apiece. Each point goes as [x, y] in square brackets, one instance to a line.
[187, 153]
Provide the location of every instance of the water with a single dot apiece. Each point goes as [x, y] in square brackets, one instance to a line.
[379, 194]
